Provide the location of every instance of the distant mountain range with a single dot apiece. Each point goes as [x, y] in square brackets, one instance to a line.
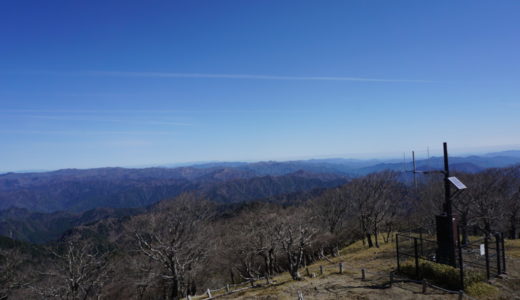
[469, 164]
[80, 190]
[358, 167]
[38, 223]
[39, 207]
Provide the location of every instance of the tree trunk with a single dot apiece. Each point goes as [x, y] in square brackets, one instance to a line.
[376, 236]
[272, 260]
[512, 229]
[295, 274]
[174, 292]
[293, 268]
[232, 276]
[487, 227]
[267, 265]
[388, 234]
[369, 240]
[174, 283]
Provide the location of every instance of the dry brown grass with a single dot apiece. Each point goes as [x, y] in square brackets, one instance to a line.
[513, 248]
[378, 262]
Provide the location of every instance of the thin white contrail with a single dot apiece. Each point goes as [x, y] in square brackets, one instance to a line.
[111, 120]
[137, 111]
[224, 76]
[244, 76]
[80, 132]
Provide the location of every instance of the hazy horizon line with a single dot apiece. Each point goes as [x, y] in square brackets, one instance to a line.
[246, 161]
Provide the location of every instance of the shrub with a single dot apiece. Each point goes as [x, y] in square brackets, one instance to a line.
[440, 274]
[481, 289]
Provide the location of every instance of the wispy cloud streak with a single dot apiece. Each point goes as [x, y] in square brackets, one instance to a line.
[81, 132]
[97, 119]
[137, 111]
[227, 76]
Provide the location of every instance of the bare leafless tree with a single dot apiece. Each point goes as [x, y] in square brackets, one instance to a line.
[331, 208]
[377, 197]
[426, 201]
[10, 277]
[511, 200]
[486, 191]
[176, 236]
[294, 233]
[512, 210]
[78, 270]
[250, 239]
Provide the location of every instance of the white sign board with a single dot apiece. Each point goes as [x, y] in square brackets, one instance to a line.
[482, 249]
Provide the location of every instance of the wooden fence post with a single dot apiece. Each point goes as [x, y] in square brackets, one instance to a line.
[486, 249]
[300, 295]
[424, 286]
[461, 259]
[363, 274]
[252, 280]
[321, 270]
[416, 253]
[341, 268]
[503, 253]
[227, 288]
[397, 251]
[499, 260]
[461, 295]
[391, 278]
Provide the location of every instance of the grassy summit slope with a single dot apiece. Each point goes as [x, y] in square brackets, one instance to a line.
[377, 262]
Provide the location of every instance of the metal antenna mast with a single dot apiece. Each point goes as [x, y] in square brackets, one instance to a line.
[404, 161]
[446, 223]
[414, 170]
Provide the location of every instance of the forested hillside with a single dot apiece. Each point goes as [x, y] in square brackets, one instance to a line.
[188, 243]
[80, 190]
[116, 197]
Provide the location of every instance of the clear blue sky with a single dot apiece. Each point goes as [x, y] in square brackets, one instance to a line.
[126, 83]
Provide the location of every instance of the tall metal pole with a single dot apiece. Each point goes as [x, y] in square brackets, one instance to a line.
[448, 209]
[447, 193]
[461, 262]
[414, 170]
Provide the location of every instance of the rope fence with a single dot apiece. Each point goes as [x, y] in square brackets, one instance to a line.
[338, 268]
[386, 279]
